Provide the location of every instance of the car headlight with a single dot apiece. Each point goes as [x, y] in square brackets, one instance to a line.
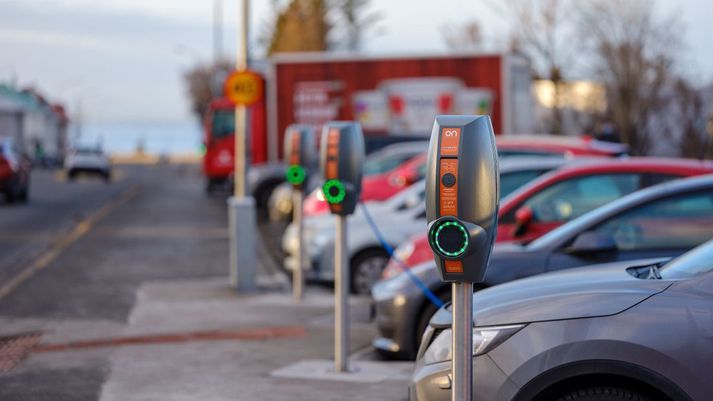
[485, 339]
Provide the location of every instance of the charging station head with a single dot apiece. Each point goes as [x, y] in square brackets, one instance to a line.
[341, 161]
[300, 150]
[462, 196]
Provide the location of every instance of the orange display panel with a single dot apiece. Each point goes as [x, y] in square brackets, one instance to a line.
[453, 266]
[448, 199]
[332, 153]
[450, 141]
[295, 156]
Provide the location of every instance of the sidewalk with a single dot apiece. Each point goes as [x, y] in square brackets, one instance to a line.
[198, 340]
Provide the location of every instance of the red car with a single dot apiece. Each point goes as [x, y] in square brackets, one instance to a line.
[377, 187]
[383, 186]
[14, 172]
[564, 194]
[551, 145]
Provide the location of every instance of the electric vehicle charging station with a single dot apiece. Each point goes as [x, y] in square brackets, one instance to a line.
[300, 151]
[462, 199]
[341, 163]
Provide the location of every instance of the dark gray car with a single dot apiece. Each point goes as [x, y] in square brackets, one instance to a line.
[661, 221]
[624, 331]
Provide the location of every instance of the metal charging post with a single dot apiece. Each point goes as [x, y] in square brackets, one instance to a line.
[462, 341]
[297, 278]
[341, 161]
[299, 153]
[341, 297]
[462, 196]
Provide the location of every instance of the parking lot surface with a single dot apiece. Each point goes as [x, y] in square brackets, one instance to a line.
[124, 287]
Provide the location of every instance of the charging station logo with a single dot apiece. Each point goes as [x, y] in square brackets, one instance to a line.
[450, 140]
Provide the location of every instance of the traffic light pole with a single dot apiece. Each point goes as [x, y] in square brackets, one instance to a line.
[462, 341]
[341, 294]
[297, 277]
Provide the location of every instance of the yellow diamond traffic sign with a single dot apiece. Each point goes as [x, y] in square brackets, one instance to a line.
[244, 88]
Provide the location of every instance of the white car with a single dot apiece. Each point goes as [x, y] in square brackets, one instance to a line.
[88, 161]
[397, 218]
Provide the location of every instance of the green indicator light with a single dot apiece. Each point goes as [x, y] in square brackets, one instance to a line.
[334, 191]
[450, 238]
[295, 174]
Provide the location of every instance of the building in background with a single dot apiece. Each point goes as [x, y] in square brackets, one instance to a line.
[39, 126]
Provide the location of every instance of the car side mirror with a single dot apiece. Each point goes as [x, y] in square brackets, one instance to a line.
[523, 219]
[592, 241]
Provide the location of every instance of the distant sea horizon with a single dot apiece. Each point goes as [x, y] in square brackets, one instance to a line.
[158, 138]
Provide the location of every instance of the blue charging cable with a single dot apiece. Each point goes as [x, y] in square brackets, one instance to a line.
[390, 250]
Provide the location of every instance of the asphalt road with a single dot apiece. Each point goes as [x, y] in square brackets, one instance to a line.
[78, 251]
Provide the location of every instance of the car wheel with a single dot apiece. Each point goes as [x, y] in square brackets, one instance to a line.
[13, 192]
[107, 177]
[603, 393]
[71, 175]
[25, 193]
[366, 270]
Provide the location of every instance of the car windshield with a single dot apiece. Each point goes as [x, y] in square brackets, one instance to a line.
[223, 123]
[690, 264]
[88, 151]
[383, 162]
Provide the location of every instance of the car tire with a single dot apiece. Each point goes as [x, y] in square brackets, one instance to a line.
[13, 192]
[366, 269]
[25, 193]
[106, 176]
[71, 175]
[603, 393]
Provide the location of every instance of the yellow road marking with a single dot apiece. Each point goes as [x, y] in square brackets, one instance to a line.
[56, 249]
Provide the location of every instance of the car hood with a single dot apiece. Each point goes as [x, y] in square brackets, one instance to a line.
[594, 291]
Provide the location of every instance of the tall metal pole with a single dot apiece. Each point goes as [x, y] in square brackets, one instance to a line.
[241, 120]
[341, 292]
[297, 278]
[241, 207]
[462, 342]
[217, 31]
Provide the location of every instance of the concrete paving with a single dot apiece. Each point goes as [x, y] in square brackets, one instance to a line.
[139, 307]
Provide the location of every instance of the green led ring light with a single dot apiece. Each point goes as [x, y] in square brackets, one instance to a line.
[334, 191]
[457, 225]
[296, 174]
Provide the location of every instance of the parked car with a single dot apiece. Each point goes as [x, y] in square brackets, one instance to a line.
[662, 221]
[562, 195]
[397, 218]
[380, 162]
[556, 145]
[14, 171]
[88, 160]
[615, 332]
[380, 187]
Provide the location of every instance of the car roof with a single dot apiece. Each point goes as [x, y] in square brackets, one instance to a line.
[523, 163]
[564, 233]
[564, 144]
[602, 165]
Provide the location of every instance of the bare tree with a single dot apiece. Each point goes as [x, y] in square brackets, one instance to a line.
[633, 57]
[543, 30]
[468, 36]
[686, 120]
[201, 85]
[355, 17]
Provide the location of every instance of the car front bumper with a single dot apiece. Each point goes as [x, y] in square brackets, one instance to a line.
[433, 382]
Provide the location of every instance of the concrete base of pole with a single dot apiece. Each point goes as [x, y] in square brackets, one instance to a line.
[243, 232]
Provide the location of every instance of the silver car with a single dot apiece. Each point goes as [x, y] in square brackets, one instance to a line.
[398, 218]
[622, 331]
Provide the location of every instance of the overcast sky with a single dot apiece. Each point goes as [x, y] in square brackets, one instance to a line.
[122, 60]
